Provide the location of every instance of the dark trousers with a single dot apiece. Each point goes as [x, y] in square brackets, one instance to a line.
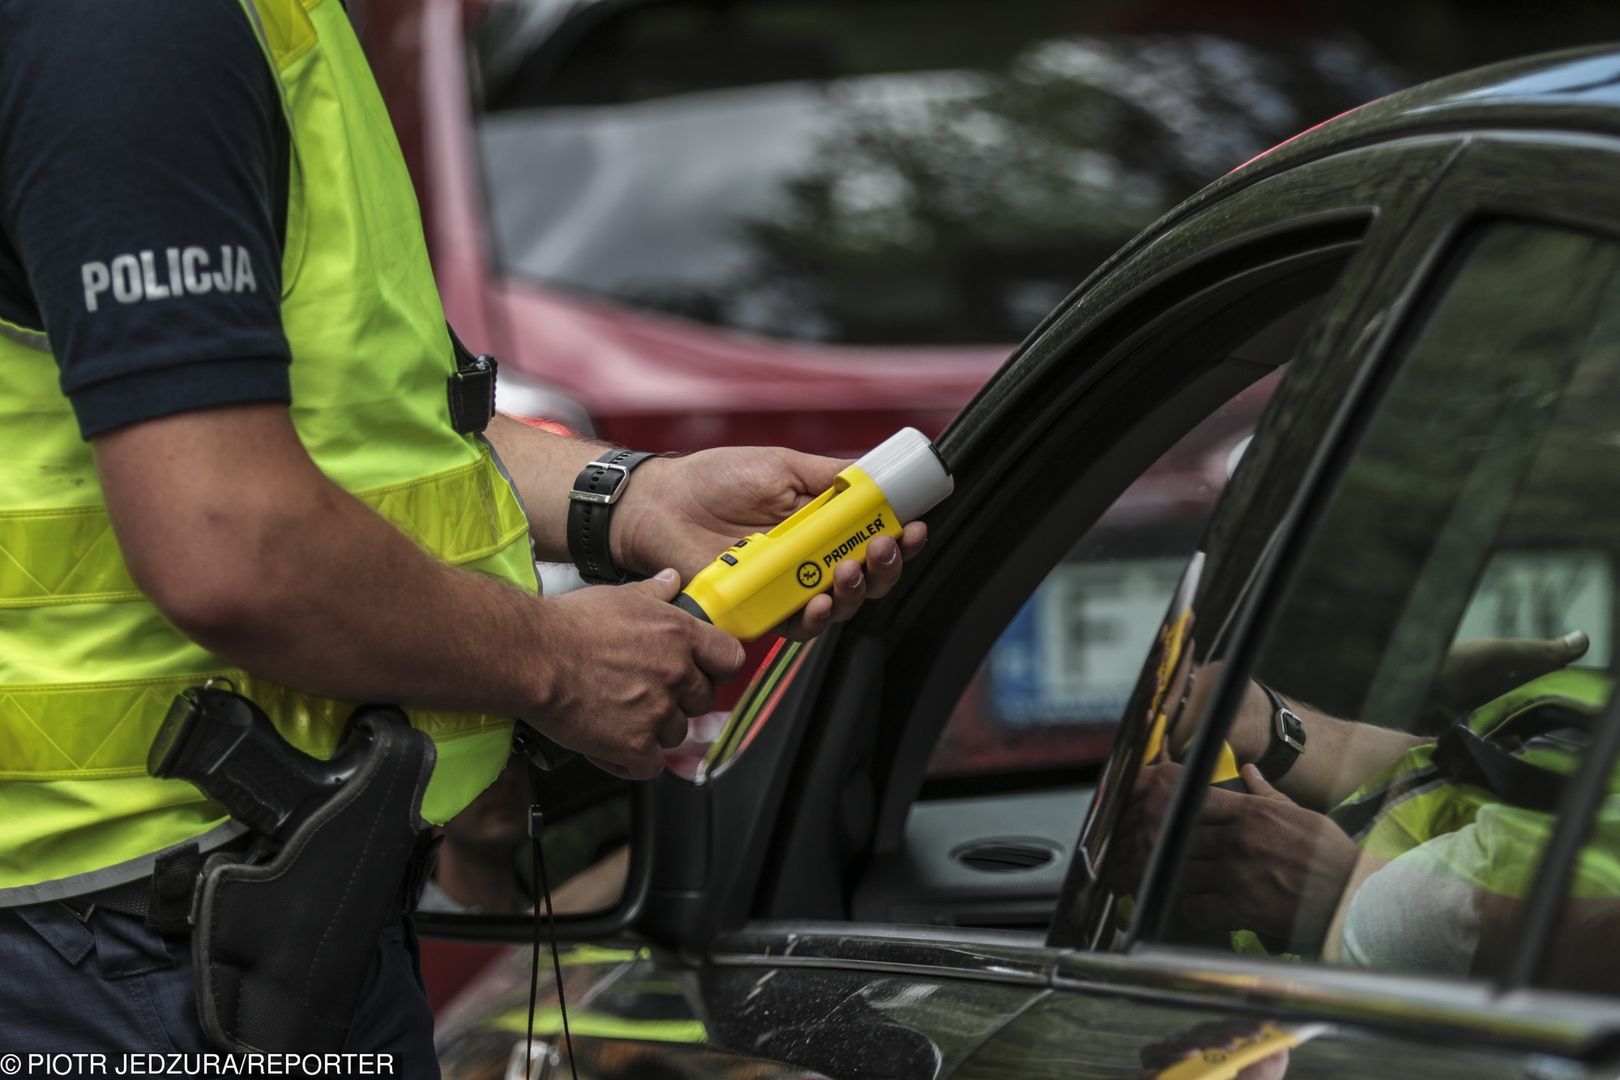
[110, 985]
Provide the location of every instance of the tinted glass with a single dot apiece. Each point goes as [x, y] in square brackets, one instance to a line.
[1444, 647]
[1051, 692]
[885, 172]
[1580, 955]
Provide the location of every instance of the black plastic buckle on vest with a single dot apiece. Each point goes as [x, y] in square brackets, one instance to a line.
[471, 389]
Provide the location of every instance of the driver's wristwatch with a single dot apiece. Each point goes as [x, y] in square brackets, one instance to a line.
[1287, 738]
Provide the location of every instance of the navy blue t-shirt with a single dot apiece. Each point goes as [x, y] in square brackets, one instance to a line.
[143, 163]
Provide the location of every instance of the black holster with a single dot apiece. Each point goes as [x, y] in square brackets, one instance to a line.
[283, 935]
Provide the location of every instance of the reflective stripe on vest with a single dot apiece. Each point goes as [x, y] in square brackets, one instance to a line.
[22, 335]
[87, 665]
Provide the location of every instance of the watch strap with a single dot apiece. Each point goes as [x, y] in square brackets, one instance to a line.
[1287, 738]
[596, 492]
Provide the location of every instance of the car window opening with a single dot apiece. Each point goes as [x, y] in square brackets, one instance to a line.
[1447, 645]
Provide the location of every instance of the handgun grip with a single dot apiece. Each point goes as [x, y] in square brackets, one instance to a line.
[226, 746]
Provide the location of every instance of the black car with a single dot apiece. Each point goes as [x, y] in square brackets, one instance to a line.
[1417, 540]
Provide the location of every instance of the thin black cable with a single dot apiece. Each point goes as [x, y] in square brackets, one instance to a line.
[534, 956]
[556, 961]
[540, 889]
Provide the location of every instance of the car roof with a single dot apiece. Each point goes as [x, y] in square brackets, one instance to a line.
[1576, 91]
[1572, 92]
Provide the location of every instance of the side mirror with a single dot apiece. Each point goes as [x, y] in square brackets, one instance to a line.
[593, 850]
[598, 839]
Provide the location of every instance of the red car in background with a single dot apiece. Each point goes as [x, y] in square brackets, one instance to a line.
[806, 222]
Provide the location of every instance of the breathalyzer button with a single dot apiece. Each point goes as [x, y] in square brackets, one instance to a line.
[729, 559]
[740, 543]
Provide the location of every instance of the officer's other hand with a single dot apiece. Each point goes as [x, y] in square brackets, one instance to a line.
[683, 512]
[1479, 671]
[627, 669]
[1261, 862]
[1258, 861]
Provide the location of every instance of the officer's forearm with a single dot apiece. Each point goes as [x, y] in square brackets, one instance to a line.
[243, 544]
[543, 467]
[1339, 756]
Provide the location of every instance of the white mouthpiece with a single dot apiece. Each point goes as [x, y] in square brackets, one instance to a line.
[910, 472]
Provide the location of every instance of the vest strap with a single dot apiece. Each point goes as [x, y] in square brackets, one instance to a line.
[1466, 758]
[118, 748]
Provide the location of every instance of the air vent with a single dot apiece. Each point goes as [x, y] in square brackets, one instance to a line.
[1003, 856]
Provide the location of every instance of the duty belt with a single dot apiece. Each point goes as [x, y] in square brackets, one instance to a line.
[163, 898]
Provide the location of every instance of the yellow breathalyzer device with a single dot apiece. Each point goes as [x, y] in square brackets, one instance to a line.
[764, 578]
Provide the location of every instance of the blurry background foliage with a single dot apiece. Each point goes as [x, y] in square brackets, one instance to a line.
[913, 171]
[1496, 439]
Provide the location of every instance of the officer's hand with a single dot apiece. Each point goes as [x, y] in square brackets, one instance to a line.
[625, 671]
[1475, 672]
[683, 512]
[1262, 862]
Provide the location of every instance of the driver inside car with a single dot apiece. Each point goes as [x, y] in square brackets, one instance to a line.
[1384, 848]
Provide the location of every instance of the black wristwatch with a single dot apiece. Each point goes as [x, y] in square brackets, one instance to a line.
[1287, 738]
[597, 489]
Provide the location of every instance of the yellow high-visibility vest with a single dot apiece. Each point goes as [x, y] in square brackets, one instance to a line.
[88, 666]
[1416, 802]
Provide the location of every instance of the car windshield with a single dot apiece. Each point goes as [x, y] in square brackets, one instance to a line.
[888, 172]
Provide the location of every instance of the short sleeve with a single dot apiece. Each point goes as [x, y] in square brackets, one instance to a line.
[142, 153]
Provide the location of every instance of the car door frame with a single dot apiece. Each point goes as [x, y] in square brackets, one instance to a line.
[913, 682]
[764, 808]
[732, 917]
[1565, 180]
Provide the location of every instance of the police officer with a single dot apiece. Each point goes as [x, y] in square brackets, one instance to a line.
[228, 452]
[1324, 812]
